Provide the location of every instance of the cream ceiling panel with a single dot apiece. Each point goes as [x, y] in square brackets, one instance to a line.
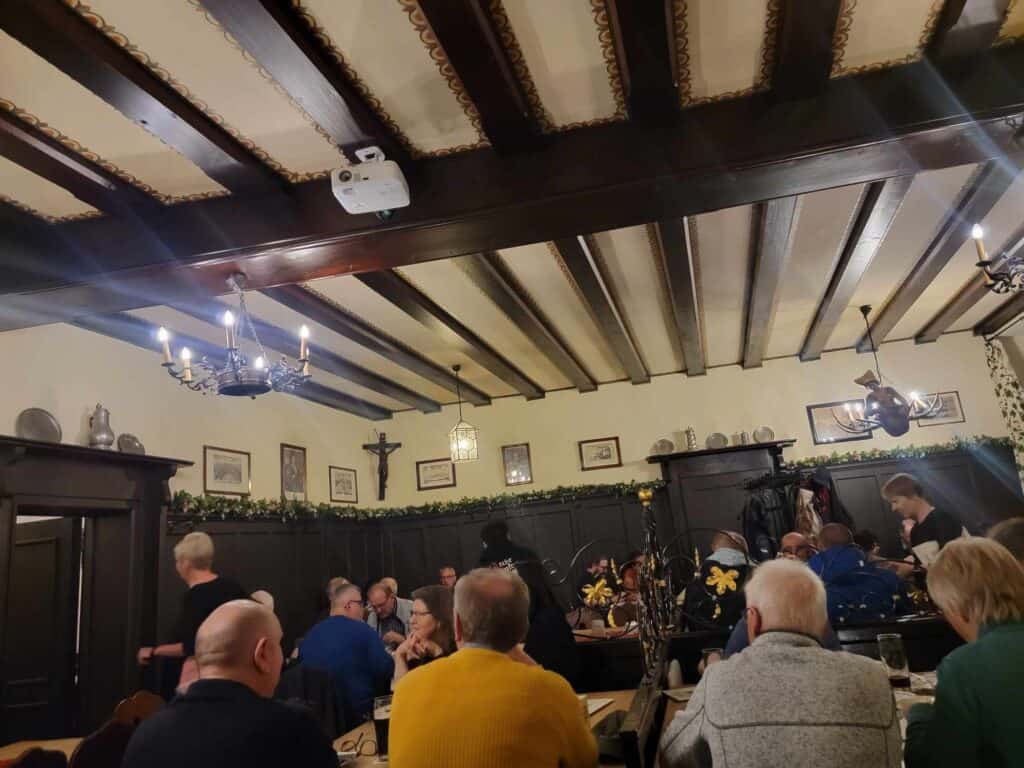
[447, 284]
[568, 70]
[39, 196]
[820, 233]
[47, 94]
[634, 271]
[724, 43]
[881, 33]
[1013, 27]
[723, 267]
[978, 312]
[379, 42]
[269, 310]
[381, 313]
[177, 322]
[542, 278]
[183, 46]
[1002, 221]
[929, 200]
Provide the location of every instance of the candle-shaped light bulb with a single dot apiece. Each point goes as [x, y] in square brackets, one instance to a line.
[979, 242]
[164, 338]
[229, 328]
[914, 397]
[304, 343]
[259, 363]
[186, 362]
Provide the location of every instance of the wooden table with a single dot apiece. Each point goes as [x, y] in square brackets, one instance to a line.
[620, 701]
[11, 751]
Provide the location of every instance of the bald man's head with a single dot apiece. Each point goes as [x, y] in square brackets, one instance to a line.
[835, 535]
[795, 546]
[241, 641]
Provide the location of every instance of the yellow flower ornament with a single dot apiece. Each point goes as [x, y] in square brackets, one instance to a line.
[722, 581]
[597, 593]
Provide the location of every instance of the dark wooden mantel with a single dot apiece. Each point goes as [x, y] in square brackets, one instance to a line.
[13, 447]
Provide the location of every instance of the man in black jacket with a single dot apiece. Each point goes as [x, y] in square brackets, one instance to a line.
[227, 718]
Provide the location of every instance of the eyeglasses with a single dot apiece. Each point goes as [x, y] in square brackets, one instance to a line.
[361, 746]
[421, 613]
[354, 602]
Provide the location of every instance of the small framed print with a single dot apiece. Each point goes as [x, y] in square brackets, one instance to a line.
[435, 473]
[226, 472]
[824, 421]
[343, 485]
[293, 472]
[950, 410]
[516, 460]
[601, 453]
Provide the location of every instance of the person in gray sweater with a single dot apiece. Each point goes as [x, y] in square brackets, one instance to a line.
[786, 700]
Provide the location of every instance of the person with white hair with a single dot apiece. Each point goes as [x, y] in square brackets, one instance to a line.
[486, 705]
[193, 561]
[786, 700]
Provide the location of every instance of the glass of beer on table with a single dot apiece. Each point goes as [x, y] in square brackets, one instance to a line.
[894, 656]
[381, 723]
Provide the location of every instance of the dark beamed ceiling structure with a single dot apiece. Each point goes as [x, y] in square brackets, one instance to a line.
[602, 190]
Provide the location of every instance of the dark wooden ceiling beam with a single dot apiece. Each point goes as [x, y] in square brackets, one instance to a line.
[287, 343]
[274, 34]
[322, 310]
[676, 260]
[46, 157]
[466, 32]
[644, 42]
[982, 191]
[803, 51]
[1001, 316]
[67, 41]
[141, 333]
[775, 229]
[579, 254]
[971, 292]
[877, 208]
[966, 29]
[492, 278]
[394, 288]
[901, 121]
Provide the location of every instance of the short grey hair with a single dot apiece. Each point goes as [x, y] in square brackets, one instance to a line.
[340, 594]
[493, 607]
[197, 549]
[789, 596]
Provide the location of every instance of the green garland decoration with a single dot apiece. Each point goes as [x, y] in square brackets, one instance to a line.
[202, 508]
[907, 452]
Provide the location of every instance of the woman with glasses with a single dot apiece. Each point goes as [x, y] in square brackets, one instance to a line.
[432, 632]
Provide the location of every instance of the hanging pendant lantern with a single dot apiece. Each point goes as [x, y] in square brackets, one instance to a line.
[463, 436]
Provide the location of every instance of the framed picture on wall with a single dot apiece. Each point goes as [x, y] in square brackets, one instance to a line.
[435, 473]
[601, 453]
[343, 485]
[951, 411]
[226, 472]
[293, 472]
[825, 428]
[516, 461]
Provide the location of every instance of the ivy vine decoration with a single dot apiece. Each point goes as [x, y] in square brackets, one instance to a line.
[976, 443]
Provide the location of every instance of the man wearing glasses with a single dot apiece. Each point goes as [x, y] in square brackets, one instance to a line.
[351, 653]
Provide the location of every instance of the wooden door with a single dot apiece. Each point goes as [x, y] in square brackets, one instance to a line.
[37, 700]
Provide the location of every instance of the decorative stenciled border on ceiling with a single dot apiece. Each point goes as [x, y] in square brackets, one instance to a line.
[121, 41]
[78, 149]
[540, 113]
[773, 11]
[45, 216]
[1004, 36]
[842, 38]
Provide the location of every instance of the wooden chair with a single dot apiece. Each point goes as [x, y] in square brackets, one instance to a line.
[40, 758]
[105, 747]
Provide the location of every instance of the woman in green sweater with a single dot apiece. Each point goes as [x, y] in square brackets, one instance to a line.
[977, 715]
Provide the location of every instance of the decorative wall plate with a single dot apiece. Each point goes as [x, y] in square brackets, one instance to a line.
[763, 435]
[130, 444]
[37, 424]
[716, 440]
[663, 447]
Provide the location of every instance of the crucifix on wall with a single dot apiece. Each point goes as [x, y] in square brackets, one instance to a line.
[382, 449]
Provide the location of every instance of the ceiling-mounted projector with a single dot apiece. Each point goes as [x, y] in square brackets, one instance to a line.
[374, 185]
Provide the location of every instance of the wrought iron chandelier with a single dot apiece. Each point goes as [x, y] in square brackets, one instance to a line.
[235, 376]
[1006, 274]
[462, 438]
[883, 407]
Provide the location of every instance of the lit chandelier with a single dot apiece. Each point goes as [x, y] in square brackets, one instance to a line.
[463, 436]
[883, 407]
[235, 377]
[1006, 275]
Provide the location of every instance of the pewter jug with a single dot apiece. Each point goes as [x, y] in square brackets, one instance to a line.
[100, 434]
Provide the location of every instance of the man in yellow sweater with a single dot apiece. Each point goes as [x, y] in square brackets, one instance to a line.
[479, 707]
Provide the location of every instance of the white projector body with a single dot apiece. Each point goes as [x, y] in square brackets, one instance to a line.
[371, 186]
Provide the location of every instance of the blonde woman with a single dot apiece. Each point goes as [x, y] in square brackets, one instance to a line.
[976, 718]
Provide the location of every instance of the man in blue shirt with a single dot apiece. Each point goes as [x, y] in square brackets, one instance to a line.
[351, 653]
